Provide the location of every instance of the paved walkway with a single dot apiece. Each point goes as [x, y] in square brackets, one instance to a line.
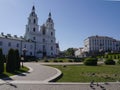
[14, 86]
[38, 72]
[38, 77]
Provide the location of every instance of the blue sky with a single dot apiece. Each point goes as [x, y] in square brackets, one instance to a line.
[75, 20]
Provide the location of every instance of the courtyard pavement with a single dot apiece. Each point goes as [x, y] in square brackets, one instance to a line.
[38, 76]
[37, 72]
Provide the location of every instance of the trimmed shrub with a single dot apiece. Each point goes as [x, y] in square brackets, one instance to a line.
[55, 60]
[46, 61]
[60, 60]
[17, 60]
[29, 58]
[90, 61]
[77, 60]
[11, 63]
[1, 62]
[109, 62]
[4, 58]
[70, 60]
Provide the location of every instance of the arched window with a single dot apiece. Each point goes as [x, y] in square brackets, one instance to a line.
[43, 32]
[51, 33]
[44, 48]
[30, 53]
[51, 41]
[51, 53]
[51, 47]
[33, 29]
[34, 38]
[17, 45]
[9, 44]
[1, 43]
[34, 21]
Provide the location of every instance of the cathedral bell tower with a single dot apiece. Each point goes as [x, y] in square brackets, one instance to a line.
[32, 28]
[50, 26]
[49, 22]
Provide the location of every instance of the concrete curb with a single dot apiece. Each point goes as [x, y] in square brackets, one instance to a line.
[30, 69]
[77, 83]
[55, 77]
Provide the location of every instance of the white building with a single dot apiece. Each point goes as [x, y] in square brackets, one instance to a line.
[97, 44]
[80, 52]
[101, 43]
[38, 40]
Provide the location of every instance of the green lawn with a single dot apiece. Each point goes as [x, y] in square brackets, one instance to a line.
[7, 74]
[61, 59]
[83, 73]
[56, 60]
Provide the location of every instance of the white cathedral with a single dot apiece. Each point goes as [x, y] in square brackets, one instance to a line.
[38, 41]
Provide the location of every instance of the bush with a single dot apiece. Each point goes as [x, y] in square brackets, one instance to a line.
[4, 58]
[17, 59]
[77, 60]
[46, 61]
[55, 60]
[70, 60]
[1, 62]
[90, 61]
[11, 63]
[60, 60]
[109, 62]
[29, 58]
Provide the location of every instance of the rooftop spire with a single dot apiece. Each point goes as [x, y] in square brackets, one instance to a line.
[33, 8]
[49, 14]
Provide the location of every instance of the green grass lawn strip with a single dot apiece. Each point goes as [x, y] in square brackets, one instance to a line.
[8, 74]
[81, 73]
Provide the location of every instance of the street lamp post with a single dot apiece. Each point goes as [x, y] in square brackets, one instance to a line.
[22, 59]
[24, 54]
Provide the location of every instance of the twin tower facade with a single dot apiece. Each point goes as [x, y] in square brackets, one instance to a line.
[39, 41]
[44, 37]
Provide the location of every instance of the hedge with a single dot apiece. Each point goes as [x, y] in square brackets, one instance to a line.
[90, 61]
[109, 62]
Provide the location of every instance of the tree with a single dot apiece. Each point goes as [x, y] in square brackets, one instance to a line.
[10, 64]
[17, 60]
[1, 62]
[70, 52]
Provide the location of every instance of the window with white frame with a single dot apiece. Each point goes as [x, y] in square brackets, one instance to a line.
[1, 43]
[9, 44]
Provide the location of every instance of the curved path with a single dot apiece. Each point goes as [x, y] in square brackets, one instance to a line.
[37, 79]
[37, 73]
